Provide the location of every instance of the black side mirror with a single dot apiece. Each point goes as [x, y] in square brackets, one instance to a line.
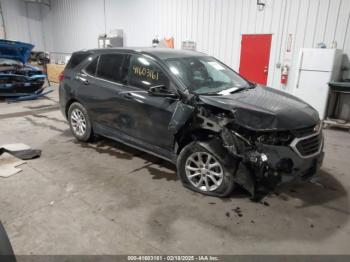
[161, 91]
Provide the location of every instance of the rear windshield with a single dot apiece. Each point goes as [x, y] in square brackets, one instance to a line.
[76, 59]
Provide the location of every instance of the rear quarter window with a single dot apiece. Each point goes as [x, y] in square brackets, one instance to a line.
[76, 59]
[92, 67]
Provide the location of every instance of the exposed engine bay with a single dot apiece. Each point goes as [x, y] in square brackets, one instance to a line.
[17, 78]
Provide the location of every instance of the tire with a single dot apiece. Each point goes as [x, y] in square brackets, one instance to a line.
[186, 167]
[79, 122]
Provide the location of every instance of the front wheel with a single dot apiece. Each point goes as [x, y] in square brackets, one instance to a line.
[202, 171]
[79, 122]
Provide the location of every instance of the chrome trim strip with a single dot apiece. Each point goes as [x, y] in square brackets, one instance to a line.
[102, 79]
[298, 139]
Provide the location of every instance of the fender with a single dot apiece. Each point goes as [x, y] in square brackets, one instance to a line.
[241, 173]
[180, 116]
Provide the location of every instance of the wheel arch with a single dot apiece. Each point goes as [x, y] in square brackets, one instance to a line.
[68, 104]
[186, 137]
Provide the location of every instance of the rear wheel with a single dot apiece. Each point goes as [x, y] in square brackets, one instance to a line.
[202, 171]
[79, 122]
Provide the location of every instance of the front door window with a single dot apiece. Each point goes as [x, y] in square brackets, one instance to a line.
[144, 73]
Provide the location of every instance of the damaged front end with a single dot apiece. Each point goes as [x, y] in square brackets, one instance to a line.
[19, 80]
[262, 158]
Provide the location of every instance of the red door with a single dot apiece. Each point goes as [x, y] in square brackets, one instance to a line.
[255, 56]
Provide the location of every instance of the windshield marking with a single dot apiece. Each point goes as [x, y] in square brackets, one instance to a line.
[228, 91]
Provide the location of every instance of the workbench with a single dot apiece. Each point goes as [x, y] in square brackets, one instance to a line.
[336, 90]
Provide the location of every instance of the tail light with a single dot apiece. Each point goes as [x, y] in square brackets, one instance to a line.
[61, 77]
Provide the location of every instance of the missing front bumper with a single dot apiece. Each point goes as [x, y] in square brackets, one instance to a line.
[271, 166]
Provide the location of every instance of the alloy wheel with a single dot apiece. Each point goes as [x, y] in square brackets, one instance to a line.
[78, 122]
[204, 171]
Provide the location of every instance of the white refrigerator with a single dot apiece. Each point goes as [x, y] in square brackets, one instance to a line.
[315, 69]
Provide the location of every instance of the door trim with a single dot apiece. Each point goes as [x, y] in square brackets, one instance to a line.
[135, 142]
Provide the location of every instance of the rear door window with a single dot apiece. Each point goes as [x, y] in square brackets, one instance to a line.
[111, 67]
[144, 73]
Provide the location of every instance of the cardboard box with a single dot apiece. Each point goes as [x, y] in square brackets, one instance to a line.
[53, 71]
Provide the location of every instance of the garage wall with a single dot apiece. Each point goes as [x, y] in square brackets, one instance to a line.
[23, 22]
[72, 25]
[216, 25]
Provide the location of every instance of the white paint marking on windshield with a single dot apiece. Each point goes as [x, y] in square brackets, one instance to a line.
[227, 91]
[216, 65]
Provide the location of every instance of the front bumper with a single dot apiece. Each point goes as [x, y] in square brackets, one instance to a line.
[284, 163]
[300, 160]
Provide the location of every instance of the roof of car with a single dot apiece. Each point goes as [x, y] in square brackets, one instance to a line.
[160, 53]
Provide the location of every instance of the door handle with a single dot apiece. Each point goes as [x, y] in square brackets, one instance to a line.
[266, 70]
[82, 79]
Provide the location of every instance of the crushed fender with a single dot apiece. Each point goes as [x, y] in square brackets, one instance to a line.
[262, 156]
[180, 116]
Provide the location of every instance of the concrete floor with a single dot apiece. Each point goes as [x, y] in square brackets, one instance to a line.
[106, 198]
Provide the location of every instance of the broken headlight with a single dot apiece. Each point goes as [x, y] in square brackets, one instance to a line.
[276, 138]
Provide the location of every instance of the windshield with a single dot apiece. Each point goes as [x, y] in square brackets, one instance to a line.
[206, 75]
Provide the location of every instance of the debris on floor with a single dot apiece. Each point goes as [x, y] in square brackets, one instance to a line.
[9, 165]
[265, 203]
[14, 155]
[238, 211]
[21, 151]
[15, 147]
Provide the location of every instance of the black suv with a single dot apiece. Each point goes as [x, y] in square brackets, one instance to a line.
[191, 109]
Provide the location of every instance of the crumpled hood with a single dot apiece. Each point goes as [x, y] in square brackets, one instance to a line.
[15, 50]
[264, 108]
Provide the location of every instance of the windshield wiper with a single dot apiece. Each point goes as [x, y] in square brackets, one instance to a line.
[235, 90]
[210, 94]
[239, 89]
[251, 86]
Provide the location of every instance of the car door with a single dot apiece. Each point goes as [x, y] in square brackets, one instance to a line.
[104, 81]
[149, 115]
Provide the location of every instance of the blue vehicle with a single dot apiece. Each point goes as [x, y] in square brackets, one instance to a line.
[17, 78]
